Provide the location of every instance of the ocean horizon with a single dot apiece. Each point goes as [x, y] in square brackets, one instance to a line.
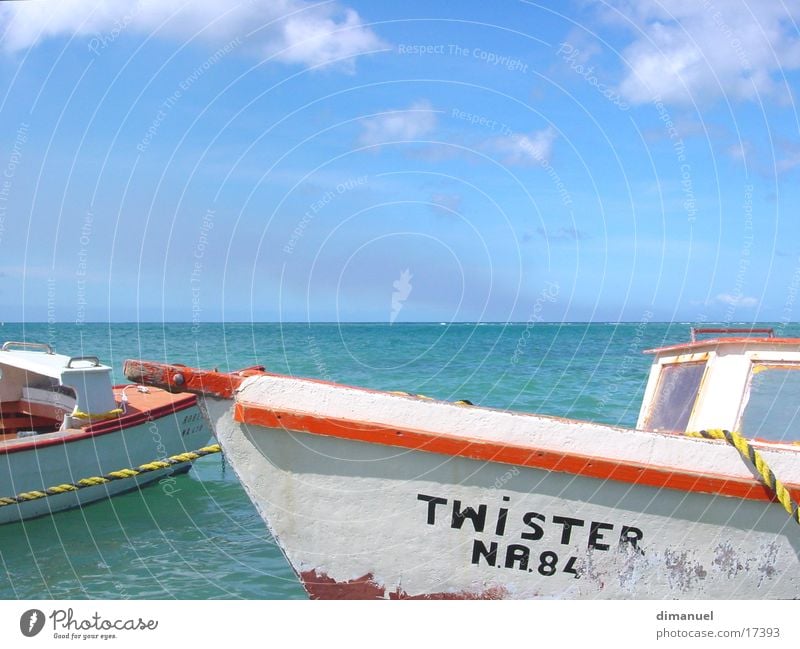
[400, 323]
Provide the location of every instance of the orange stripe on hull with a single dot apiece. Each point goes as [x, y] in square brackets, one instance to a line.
[489, 451]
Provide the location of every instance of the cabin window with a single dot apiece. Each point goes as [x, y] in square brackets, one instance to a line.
[65, 390]
[772, 410]
[676, 393]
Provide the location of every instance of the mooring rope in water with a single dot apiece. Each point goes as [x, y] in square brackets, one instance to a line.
[122, 474]
[751, 455]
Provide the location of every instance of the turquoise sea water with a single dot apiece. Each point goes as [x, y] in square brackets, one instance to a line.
[206, 540]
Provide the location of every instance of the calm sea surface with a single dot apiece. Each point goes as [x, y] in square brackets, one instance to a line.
[206, 540]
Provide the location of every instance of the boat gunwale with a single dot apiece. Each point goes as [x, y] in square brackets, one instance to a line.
[249, 413]
[226, 386]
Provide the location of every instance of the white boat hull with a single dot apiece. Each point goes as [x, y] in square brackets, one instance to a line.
[80, 457]
[359, 519]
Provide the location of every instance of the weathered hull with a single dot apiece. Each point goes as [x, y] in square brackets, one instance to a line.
[372, 495]
[37, 467]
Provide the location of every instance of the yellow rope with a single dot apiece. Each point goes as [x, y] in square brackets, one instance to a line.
[110, 414]
[121, 474]
[750, 454]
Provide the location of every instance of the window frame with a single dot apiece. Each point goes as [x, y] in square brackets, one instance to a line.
[755, 361]
[662, 366]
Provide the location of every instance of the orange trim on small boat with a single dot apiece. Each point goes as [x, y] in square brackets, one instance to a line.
[515, 454]
[177, 403]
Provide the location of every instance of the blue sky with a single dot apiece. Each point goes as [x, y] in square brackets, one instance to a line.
[399, 161]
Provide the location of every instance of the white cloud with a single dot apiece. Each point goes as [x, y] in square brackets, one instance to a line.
[788, 156]
[685, 51]
[412, 123]
[737, 300]
[446, 204]
[291, 31]
[740, 150]
[519, 148]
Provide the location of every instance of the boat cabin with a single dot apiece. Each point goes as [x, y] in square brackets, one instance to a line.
[42, 392]
[748, 381]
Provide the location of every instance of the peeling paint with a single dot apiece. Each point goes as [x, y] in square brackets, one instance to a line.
[767, 566]
[728, 561]
[321, 586]
[630, 572]
[590, 570]
[682, 571]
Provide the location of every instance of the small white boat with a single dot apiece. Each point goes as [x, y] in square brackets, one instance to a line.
[379, 495]
[63, 426]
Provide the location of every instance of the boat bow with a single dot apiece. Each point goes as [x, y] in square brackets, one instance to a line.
[180, 378]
